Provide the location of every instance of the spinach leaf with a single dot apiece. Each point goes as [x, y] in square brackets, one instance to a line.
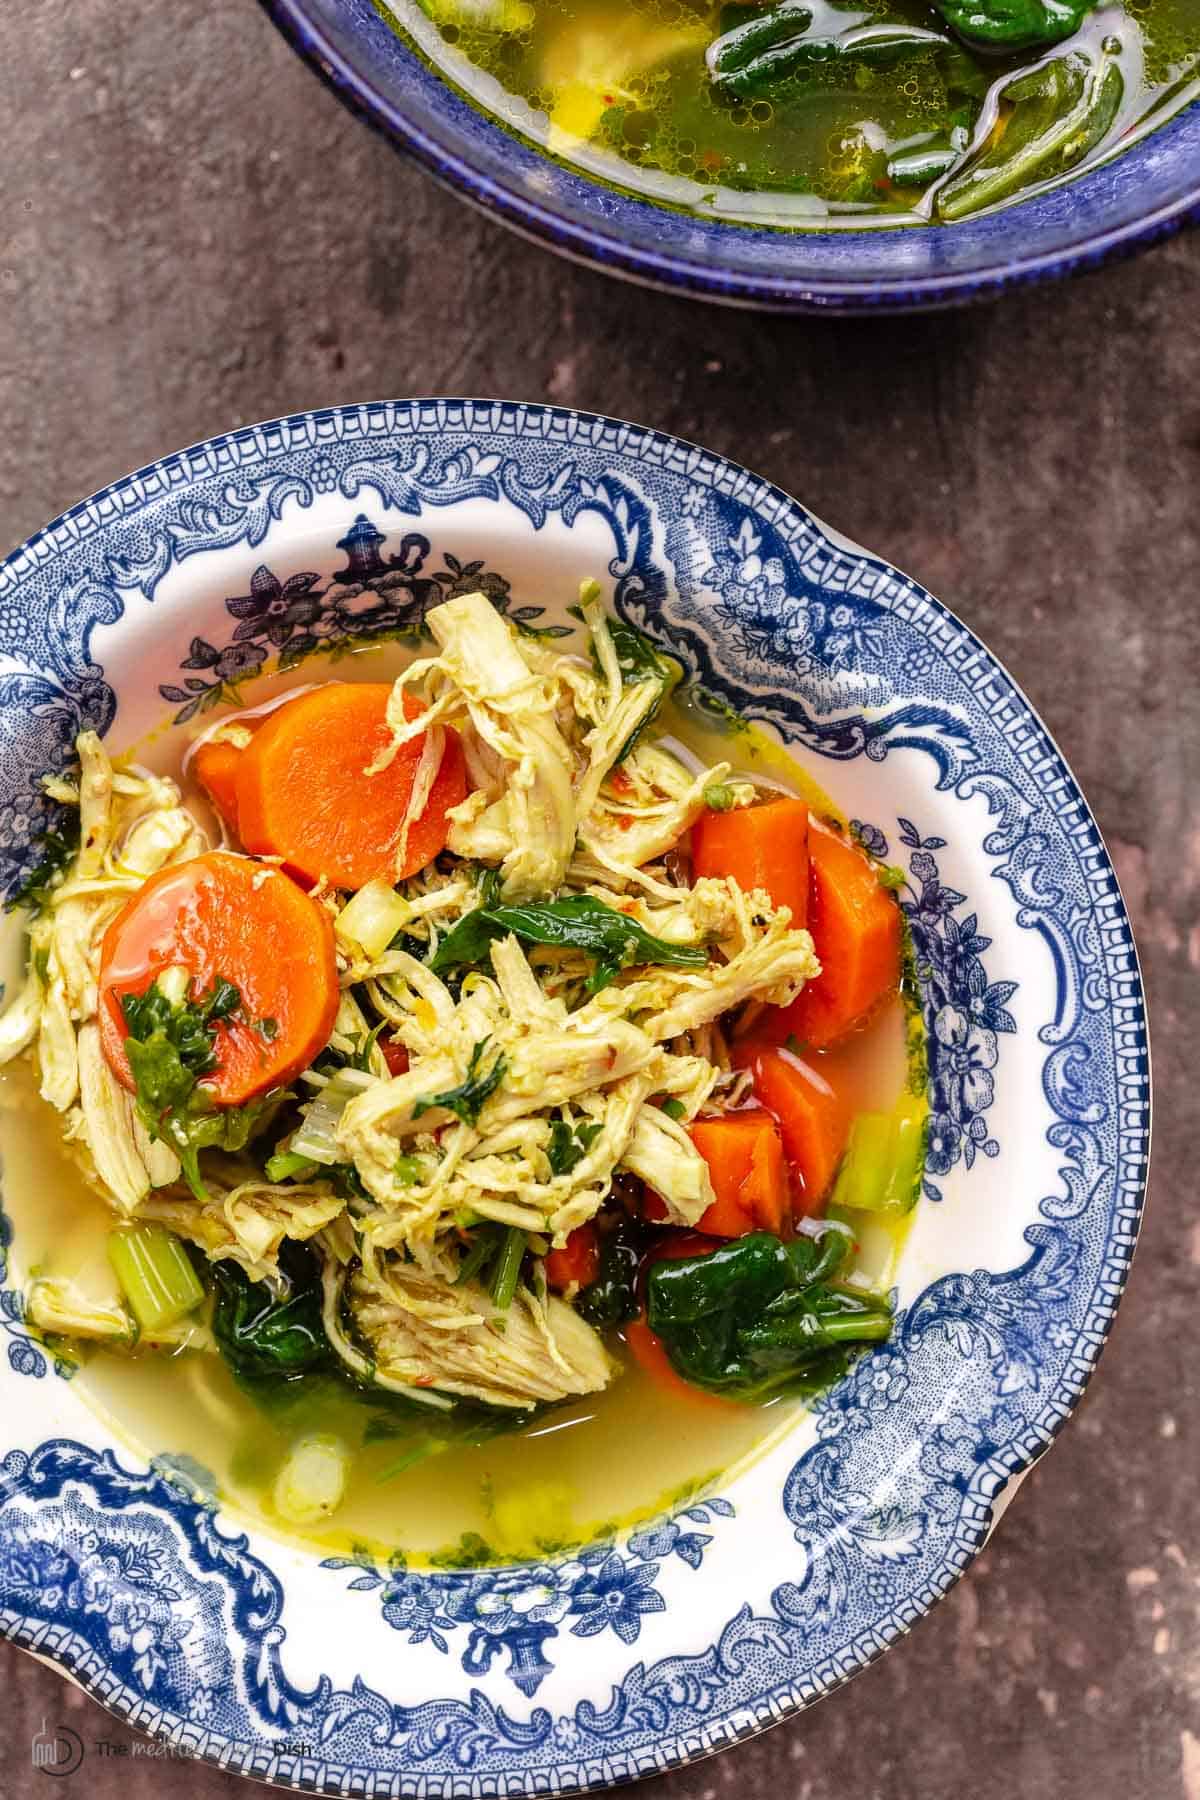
[268, 1332]
[612, 1298]
[468, 1098]
[758, 1316]
[171, 1046]
[1060, 112]
[570, 1143]
[1013, 24]
[58, 848]
[579, 922]
[764, 52]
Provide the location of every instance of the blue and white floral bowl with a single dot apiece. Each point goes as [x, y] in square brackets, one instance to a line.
[1145, 194]
[155, 599]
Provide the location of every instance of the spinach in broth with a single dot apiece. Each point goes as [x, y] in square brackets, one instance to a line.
[804, 112]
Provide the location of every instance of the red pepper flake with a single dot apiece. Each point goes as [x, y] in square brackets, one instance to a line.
[712, 160]
[882, 185]
[621, 783]
[608, 99]
[625, 820]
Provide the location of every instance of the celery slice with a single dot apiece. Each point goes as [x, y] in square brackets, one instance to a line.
[880, 1172]
[155, 1275]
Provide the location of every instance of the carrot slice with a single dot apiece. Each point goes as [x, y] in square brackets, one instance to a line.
[761, 847]
[303, 794]
[812, 1120]
[744, 1154]
[855, 925]
[222, 916]
[578, 1261]
[215, 766]
[646, 1347]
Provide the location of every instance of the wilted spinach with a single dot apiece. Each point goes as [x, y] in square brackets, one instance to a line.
[579, 922]
[757, 1316]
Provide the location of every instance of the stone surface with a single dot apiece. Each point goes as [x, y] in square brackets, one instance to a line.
[193, 235]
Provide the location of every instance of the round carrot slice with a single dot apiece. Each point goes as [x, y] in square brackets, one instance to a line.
[303, 793]
[224, 917]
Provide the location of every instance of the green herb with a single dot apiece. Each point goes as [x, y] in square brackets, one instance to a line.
[890, 876]
[467, 1100]
[570, 1143]
[578, 922]
[408, 1170]
[481, 1251]
[719, 797]
[674, 1109]
[171, 1046]
[758, 1316]
[507, 1269]
[272, 1330]
[41, 964]
[361, 1059]
[612, 1298]
[58, 848]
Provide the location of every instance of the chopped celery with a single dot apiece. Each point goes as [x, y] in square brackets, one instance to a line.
[372, 919]
[885, 1155]
[507, 1271]
[286, 1165]
[311, 1483]
[316, 1138]
[155, 1274]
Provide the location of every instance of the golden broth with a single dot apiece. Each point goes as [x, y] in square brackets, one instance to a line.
[606, 1460]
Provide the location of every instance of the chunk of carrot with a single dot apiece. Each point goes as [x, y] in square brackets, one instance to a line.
[578, 1260]
[303, 793]
[856, 932]
[646, 1347]
[812, 1120]
[224, 917]
[215, 766]
[761, 847]
[744, 1154]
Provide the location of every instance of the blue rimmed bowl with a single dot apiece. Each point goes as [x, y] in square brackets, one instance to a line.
[644, 1651]
[1142, 196]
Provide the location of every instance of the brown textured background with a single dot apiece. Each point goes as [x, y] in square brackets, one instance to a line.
[193, 236]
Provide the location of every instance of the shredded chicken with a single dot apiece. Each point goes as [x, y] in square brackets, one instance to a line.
[531, 1085]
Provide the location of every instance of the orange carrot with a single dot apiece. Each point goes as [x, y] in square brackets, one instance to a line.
[812, 1120]
[215, 766]
[578, 1261]
[303, 795]
[761, 847]
[745, 1160]
[224, 917]
[646, 1347]
[855, 925]
[647, 1351]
